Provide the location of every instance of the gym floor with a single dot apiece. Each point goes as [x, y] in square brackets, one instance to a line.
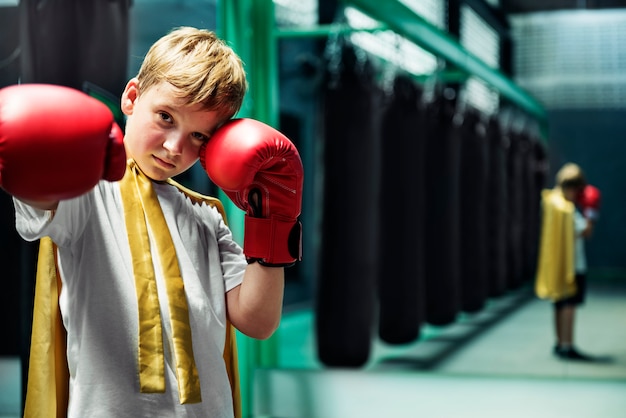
[494, 363]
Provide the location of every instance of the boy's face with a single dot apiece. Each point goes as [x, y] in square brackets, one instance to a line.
[571, 193]
[163, 133]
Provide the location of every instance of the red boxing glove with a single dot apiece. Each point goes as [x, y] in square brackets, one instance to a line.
[56, 142]
[589, 201]
[261, 172]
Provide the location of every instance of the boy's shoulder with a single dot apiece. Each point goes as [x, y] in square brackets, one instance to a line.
[554, 200]
[199, 198]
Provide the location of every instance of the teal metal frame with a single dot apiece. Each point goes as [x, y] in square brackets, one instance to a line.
[249, 27]
[405, 22]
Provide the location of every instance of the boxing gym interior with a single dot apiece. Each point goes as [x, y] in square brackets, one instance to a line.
[427, 130]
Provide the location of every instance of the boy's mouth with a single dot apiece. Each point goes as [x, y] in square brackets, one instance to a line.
[164, 163]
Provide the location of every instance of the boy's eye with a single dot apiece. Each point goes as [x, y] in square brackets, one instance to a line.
[165, 117]
[200, 137]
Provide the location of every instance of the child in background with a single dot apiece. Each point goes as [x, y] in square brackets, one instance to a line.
[562, 268]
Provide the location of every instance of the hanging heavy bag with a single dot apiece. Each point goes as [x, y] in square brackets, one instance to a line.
[540, 178]
[73, 42]
[496, 210]
[400, 282]
[515, 204]
[473, 188]
[349, 243]
[441, 232]
[527, 186]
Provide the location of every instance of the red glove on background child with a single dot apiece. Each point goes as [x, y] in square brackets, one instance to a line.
[589, 201]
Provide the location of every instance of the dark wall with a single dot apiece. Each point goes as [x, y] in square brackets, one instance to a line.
[10, 276]
[9, 46]
[10, 243]
[594, 139]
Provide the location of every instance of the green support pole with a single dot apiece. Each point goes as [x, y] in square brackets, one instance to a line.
[264, 75]
[264, 92]
[323, 31]
[395, 16]
[405, 22]
[248, 27]
[233, 26]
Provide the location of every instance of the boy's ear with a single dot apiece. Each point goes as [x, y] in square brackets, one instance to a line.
[129, 96]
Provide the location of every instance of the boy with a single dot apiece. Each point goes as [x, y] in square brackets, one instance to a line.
[151, 276]
[561, 275]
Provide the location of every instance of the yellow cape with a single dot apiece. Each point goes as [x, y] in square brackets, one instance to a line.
[555, 278]
[48, 377]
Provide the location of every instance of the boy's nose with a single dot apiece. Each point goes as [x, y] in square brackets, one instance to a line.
[174, 142]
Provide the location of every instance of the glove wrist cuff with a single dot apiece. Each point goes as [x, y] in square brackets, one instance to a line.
[272, 241]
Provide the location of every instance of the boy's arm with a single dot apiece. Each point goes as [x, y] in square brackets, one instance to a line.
[588, 231]
[56, 143]
[255, 307]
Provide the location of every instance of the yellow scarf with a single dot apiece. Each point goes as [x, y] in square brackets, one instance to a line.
[141, 207]
[48, 376]
[555, 278]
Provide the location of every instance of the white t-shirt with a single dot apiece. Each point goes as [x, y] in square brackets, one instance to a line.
[580, 258]
[98, 300]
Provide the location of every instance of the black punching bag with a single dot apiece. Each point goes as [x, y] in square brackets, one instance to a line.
[496, 210]
[515, 207]
[70, 42]
[473, 221]
[401, 216]
[540, 174]
[441, 225]
[527, 187]
[349, 243]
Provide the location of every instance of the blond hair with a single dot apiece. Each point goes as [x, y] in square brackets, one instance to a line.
[570, 176]
[200, 65]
